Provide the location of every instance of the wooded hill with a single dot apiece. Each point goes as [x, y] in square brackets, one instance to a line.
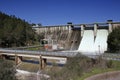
[15, 31]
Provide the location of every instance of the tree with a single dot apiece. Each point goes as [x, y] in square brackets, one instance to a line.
[114, 40]
[7, 71]
[15, 31]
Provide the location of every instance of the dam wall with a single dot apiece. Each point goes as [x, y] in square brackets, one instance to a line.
[85, 38]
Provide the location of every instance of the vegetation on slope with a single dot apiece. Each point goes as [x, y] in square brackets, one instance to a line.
[15, 31]
[31, 67]
[81, 67]
[114, 40]
[7, 71]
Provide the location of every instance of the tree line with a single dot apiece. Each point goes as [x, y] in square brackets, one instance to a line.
[114, 40]
[15, 31]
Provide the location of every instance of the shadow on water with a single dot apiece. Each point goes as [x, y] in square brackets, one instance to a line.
[31, 61]
[48, 63]
[37, 62]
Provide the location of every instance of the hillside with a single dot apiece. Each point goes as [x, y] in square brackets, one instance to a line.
[15, 31]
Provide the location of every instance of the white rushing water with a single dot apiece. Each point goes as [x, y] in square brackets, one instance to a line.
[91, 46]
[101, 41]
[87, 42]
[26, 75]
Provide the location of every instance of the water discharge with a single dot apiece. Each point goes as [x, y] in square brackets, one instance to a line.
[100, 44]
[87, 42]
[89, 45]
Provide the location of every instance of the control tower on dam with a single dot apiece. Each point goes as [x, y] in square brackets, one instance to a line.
[85, 38]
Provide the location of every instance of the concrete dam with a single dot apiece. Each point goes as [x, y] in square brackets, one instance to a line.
[84, 38]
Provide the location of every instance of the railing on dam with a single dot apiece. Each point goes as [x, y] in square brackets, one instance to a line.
[78, 25]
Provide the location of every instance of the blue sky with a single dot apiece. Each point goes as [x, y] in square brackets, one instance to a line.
[55, 12]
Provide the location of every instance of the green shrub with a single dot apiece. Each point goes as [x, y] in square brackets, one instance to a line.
[79, 66]
[7, 71]
[110, 64]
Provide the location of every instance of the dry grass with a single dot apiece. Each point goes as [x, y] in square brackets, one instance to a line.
[29, 67]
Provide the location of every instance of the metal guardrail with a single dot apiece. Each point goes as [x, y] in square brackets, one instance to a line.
[109, 56]
[44, 53]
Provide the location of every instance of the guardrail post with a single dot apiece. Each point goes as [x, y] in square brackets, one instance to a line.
[16, 60]
[42, 63]
[2, 57]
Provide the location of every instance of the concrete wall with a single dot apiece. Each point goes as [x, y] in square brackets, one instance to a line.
[65, 35]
